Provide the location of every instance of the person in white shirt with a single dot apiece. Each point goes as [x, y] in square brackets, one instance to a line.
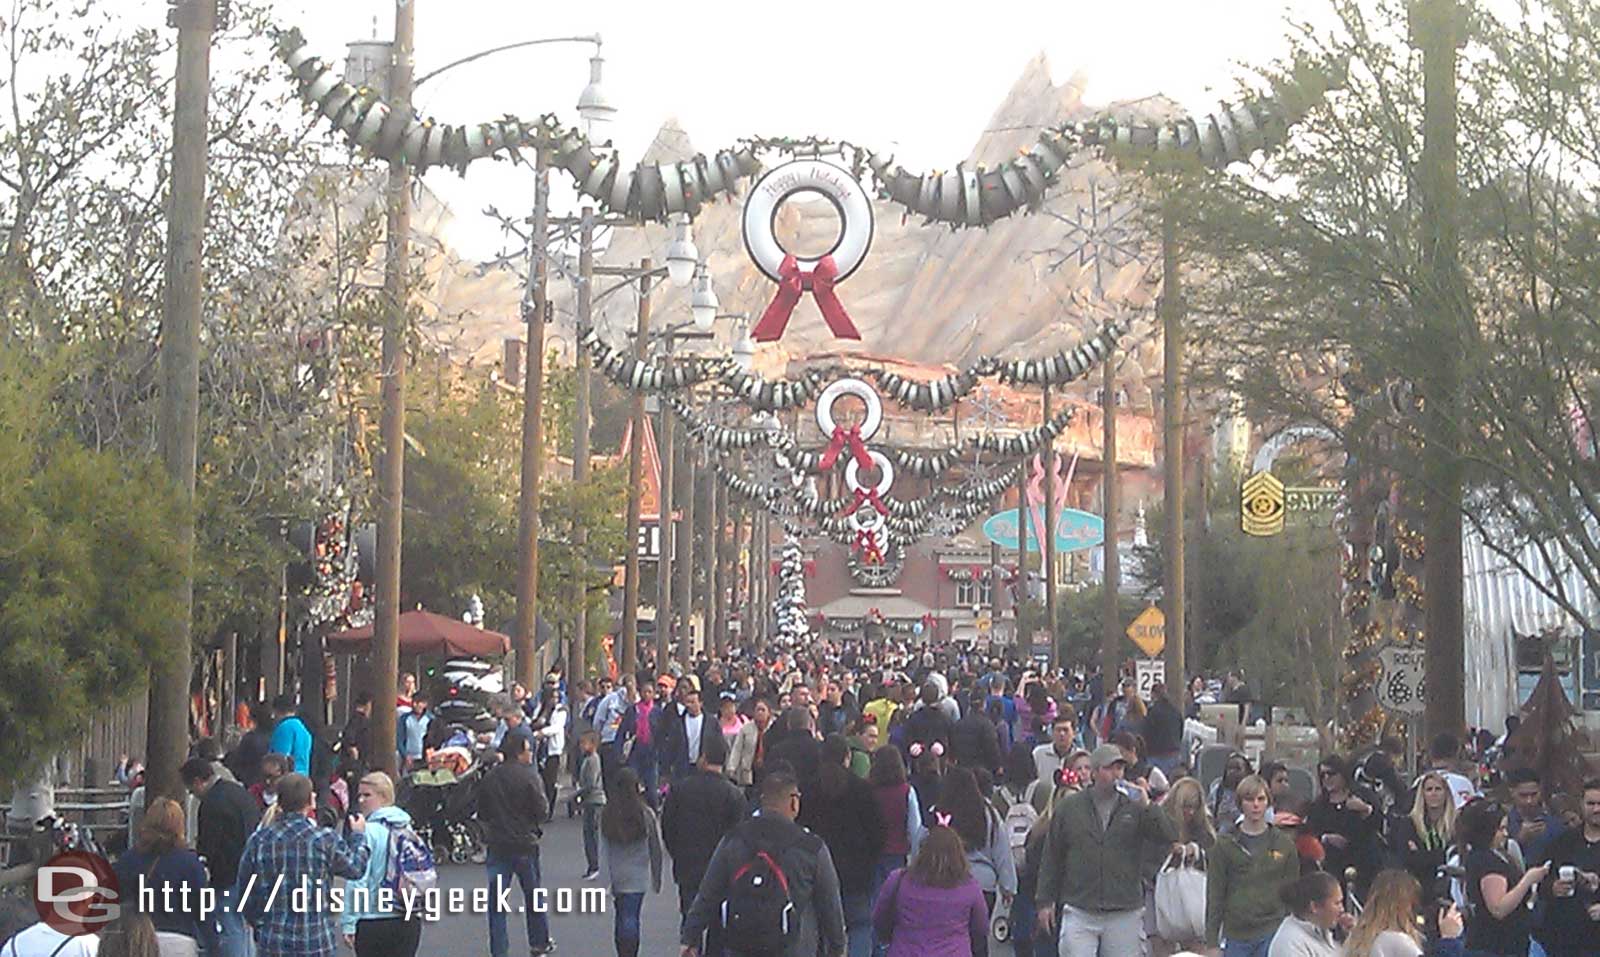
[551, 736]
[1316, 907]
[1442, 755]
[42, 940]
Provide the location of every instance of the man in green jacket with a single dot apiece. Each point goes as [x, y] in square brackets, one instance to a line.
[1100, 850]
[1243, 876]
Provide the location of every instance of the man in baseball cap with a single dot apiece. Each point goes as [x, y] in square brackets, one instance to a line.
[1101, 848]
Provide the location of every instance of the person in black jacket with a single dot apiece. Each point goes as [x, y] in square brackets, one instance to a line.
[975, 743]
[844, 812]
[929, 723]
[227, 817]
[807, 865]
[798, 747]
[687, 734]
[1163, 731]
[699, 812]
[511, 805]
[245, 761]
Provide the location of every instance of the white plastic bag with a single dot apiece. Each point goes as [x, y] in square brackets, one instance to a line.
[1181, 900]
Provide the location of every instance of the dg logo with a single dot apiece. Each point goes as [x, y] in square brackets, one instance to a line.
[1261, 505]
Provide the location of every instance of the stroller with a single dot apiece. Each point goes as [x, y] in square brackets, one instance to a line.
[444, 811]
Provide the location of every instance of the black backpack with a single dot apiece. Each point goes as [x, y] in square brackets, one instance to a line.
[758, 914]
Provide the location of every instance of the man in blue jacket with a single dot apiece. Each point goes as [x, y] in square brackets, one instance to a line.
[291, 736]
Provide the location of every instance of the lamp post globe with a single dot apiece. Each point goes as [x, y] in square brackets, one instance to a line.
[704, 303]
[682, 256]
[592, 103]
[744, 353]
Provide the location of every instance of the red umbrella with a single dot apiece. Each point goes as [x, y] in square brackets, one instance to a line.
[425, 633]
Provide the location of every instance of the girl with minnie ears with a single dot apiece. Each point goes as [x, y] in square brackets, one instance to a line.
[934, 907]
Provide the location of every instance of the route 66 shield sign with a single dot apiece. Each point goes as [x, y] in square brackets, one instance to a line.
[1400, 686]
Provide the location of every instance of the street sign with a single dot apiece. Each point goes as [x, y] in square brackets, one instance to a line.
[1149, 631]
[1261, 505]
[1400, 686]
[649, 541]
[1075, 531]
[1147, 672]
[1041, 642]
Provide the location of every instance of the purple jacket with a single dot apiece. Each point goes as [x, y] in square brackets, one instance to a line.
[930, 921]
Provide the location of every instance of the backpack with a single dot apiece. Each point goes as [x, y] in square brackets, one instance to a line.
[1020, 818]
[410, 866]
[758, 913]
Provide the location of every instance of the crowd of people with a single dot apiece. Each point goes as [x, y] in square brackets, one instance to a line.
[912, 804]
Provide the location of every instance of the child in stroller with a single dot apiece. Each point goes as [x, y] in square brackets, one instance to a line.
[443, 800]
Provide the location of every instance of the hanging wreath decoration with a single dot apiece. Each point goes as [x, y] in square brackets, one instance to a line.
[798, 275]
[855, 437]
[965, 196]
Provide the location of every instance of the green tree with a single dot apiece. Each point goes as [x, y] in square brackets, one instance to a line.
[86, 572]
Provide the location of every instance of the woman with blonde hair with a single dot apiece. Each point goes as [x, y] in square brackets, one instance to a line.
[1423, 838]
[1387, 926]
[1185, 804]
[372, 925]
[162, 871]
[131, 935]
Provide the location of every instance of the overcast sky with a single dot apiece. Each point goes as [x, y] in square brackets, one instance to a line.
[920, 79]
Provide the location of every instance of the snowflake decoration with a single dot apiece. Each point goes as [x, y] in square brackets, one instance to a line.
[979, 474]
[987, 410]
[946, 526]
[1099, 235]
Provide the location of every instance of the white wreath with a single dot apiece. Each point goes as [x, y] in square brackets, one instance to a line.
[841, 188]
[861, 390]
[852, 473]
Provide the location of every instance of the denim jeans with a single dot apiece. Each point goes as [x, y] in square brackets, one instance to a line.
[625, 924]
[525, 868]
[235, 939]
[591, 836]
[644, 761]
[1022, 925]
[1247, 948]
[858, 923]
[887, 864]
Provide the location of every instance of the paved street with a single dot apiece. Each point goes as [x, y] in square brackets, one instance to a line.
[585, 935]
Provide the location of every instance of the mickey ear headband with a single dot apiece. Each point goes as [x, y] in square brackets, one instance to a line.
[937, 749]
[1066, 777]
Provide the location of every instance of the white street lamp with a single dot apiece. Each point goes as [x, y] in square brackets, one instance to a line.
[592, 103]
[682, 256]
[744, 351]
[704, 302]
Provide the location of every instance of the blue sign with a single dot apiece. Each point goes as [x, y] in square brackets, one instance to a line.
[1075, 530]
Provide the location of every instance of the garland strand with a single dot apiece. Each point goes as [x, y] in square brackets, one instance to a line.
[963, 197]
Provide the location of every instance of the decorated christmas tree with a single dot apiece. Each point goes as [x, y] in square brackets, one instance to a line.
[791, 605]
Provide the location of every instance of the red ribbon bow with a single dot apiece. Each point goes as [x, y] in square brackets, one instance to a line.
[867, 542]
[865, 495]
[845, 437]
[793, 282]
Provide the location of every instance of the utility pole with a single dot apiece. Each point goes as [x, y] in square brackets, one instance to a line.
[578, 655]
[167, 723]
[686, 559]
[1049, 535]
[664, 536]
[1111, 633]
[1172, 412]
[630, 568]
[719, 564]
[1437, 29]
[713, 625]
[526, 636]
[392, 425]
